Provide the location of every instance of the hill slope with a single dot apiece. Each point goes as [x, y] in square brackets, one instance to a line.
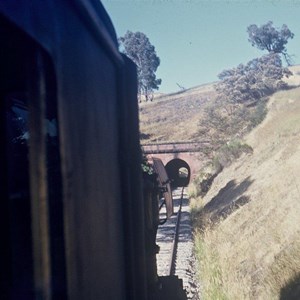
[255, 204]
[174, 117]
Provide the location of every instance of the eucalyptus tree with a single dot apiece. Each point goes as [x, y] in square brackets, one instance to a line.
[138, 48]
[250, 82]
[242, 96]
[267, 37]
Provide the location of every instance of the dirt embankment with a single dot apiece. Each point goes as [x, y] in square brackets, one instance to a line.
[256, 202]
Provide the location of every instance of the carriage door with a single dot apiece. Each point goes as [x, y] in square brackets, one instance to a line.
[31, 215]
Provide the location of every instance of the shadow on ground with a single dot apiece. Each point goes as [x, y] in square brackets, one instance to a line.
[166, 231]
[229, 199]
[292, 290]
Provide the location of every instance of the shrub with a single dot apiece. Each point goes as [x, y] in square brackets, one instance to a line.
[258, 78]
[230, 152]
[258, 114]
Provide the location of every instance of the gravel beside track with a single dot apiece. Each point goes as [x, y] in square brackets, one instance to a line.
[185, 260]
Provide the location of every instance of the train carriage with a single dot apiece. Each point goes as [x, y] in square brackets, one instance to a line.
[74, 218]
[71, 184]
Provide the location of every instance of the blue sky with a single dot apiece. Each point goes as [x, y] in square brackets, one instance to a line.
[197, 39]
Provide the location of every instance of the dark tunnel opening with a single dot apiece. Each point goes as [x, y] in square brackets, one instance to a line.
[179, 172]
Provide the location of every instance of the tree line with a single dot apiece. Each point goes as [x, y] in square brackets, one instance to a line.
[242, 91]
[244, 83]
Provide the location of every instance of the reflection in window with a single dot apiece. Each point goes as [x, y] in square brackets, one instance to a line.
[17, 136]
[17, 152]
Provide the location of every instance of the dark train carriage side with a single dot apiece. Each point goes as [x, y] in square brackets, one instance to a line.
[71, 219]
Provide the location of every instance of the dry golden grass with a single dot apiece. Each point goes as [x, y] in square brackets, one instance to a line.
[254, 206]
[295, 79]
[250, 247]
[174, 117]
[249, 242]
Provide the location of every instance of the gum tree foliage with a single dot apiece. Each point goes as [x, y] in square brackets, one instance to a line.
[241, 98]
[249, 83]
[242, 91]
[138, 48]
[267, 37]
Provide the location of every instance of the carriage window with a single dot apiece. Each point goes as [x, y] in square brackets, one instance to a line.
[18, 119]
[30, 143]
[17, 136]
[18, 194]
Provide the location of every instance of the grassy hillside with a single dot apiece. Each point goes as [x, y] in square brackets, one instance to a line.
[248, 236]
[174, 117]
[249, 247]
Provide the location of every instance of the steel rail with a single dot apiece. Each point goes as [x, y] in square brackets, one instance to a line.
[171, 270]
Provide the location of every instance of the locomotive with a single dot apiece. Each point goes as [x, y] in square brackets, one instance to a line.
[74, 203]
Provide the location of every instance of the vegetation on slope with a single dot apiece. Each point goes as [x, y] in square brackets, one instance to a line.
[249, 227]
[247, 213]
[218, 112]
[174, 117]
[248, 239]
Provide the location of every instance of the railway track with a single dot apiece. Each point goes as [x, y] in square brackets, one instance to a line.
[176, 245]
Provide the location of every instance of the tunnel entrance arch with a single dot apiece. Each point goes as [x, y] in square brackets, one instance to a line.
[189, 152]
[179, 172]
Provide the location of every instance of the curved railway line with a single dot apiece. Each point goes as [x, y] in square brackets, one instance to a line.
[174, 238]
